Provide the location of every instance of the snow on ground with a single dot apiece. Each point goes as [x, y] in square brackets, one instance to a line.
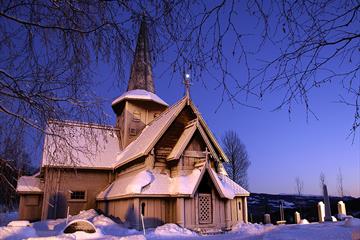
[171, 229]
[106, 228]
[52, 229]
[241, 231]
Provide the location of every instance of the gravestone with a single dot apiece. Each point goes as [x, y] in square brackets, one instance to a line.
[321, 211]
[341, 208]
[297, 217]
[267, 219]
[327, 204]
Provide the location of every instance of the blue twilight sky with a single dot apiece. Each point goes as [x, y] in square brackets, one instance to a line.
[280, 146]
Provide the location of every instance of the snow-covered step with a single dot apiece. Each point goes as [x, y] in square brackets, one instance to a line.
[209, 231]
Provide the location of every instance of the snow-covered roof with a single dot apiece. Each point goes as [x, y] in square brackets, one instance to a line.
[71, 144]
[149, 183]
[81, 145]
[27, 184]
[228, 187]
[140, 94]
[150, 134]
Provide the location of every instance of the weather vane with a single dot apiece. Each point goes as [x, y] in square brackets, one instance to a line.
[187, 84]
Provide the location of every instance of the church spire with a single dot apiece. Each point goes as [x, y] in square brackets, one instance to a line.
[141, 73]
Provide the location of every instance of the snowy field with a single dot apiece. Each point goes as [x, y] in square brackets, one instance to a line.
[108, 229]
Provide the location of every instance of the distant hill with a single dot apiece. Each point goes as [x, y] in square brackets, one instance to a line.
[261, 203]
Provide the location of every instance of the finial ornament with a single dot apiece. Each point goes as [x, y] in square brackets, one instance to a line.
[187, 84]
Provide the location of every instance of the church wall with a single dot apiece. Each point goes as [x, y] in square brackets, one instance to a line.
[123, 209]
[237, 210]
[30, 207]
[65, 181]
[157, 211]
[137, 115]
[193, 153]
[170, 138]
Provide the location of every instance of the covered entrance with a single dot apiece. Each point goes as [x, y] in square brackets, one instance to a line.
[205, 200]
[205, 208]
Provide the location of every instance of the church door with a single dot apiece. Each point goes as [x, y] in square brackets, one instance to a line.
[205, 208]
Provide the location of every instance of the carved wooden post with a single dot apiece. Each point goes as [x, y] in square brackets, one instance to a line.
[180, 208]
[137, 223]
[227, 214]
[245, 209]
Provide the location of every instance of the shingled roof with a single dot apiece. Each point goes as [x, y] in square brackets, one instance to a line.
[150, 183]
[141, 70]
[80, 145]
[151, 134]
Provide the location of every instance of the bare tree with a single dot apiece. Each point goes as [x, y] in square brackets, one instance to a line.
[313, 37]
[340, 182]
[49, 50]
[322, 181]
[238, 157]
[299, 186]
[14, 162]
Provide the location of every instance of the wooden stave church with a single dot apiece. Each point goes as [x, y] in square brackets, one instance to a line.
[158, 161]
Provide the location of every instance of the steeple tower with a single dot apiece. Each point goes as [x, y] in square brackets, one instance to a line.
[141, 70]
[139, 105]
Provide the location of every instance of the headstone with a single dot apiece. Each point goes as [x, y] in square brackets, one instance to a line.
[341, 208]
[267, 219]
[327, 204]
[297, 217]
[321, 211]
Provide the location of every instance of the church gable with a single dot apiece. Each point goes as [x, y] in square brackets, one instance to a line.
[163, 135]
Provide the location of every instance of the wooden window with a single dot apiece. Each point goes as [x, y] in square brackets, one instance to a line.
[156, 115]
[132, 131]
[143, 209]
[32, 200]
[136, 116]
[239, 203]
[77, 195]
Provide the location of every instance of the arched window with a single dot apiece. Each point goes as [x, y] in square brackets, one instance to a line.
[143, 209]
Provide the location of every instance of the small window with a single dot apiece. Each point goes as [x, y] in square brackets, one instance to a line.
[136, 116]
[239, 203]
[77, 195]
[156, 115]
[143, 209]
[132, 131]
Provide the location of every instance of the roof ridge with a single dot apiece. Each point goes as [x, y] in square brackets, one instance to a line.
[81, 124]
[166, 111]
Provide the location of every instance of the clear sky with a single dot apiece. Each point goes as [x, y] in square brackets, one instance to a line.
[280, 147]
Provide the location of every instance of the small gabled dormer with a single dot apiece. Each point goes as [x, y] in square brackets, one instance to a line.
[139, 105]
